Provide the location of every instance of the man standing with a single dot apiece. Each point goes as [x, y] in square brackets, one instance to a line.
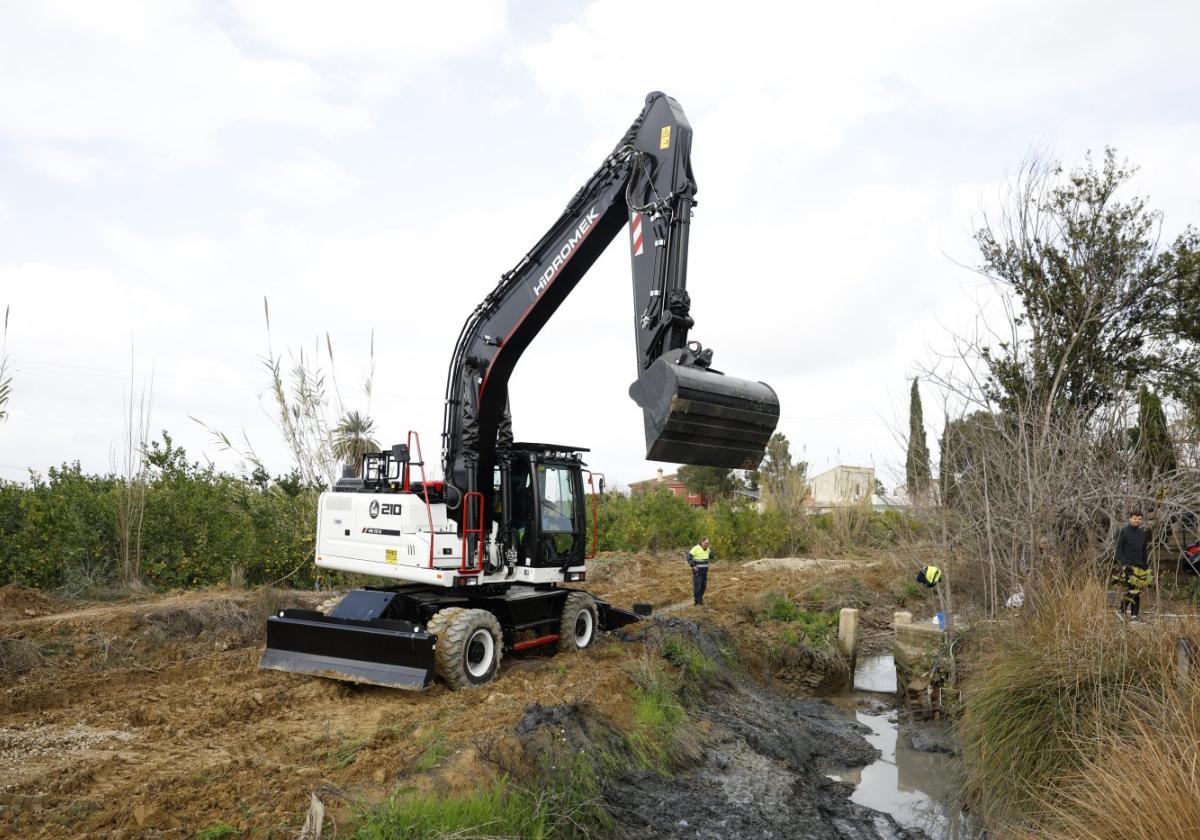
[1133, 556]
[698, 558]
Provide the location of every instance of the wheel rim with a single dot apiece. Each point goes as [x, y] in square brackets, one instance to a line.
[584, 625]
[481, 651]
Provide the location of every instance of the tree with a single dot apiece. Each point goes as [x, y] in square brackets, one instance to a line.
[352, 439]
[1155, 454]
[1098, 303]
[916, 464]
[712, 482]
[778, 471]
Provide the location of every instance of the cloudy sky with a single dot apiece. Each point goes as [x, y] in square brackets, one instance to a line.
[376, 165]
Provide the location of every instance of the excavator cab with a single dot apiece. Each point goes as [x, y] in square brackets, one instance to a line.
[543, 511]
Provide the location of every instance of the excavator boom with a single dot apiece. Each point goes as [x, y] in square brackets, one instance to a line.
[692, 413]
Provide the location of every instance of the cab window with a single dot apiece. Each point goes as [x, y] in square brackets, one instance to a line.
[557, 500]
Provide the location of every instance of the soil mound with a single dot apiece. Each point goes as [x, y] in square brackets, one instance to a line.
[19, 602]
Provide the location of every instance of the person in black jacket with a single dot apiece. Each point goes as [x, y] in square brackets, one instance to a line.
[1133, 556]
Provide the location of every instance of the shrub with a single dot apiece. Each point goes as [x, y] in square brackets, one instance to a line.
[1053, 689]
[199, 524]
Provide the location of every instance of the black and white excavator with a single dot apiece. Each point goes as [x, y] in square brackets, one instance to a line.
[481, 557]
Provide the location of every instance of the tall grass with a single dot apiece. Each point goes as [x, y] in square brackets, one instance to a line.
[1140, 781]
[1062, 690]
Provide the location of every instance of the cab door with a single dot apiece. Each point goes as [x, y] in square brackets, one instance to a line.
[559, 519]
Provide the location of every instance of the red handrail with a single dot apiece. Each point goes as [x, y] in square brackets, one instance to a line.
[595, 513]
[467, 531]
[424, 488]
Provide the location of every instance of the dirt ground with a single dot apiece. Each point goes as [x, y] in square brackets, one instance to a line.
[148, 717]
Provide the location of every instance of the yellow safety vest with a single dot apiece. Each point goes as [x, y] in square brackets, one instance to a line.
[700, 556]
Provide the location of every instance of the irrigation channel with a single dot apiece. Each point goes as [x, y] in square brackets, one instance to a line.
[915, 779]
[768, 764]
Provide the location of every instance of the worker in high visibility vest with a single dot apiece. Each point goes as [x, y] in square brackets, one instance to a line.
[698, 558]
[929, 576]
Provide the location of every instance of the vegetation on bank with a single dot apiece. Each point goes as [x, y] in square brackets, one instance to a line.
[1076, 724]
[556, 792]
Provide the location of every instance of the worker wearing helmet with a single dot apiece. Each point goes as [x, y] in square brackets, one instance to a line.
[929, 576]
[698, 558]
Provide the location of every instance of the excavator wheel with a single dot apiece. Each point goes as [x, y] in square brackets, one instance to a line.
[468, 646]
[577, 630]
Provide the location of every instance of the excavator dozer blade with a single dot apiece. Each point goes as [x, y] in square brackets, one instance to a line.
[697, 416]
[384, 652]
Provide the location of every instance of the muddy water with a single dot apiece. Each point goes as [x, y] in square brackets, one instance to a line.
[917, 788]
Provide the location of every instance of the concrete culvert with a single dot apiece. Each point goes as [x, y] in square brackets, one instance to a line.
[469, 646]
[577, 630]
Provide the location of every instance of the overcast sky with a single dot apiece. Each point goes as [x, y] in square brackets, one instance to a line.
[164, 166]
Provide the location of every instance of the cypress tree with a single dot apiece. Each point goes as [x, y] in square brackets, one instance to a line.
[916, 465]
[1155, 454]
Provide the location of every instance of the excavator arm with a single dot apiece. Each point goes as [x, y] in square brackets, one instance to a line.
[693, 414]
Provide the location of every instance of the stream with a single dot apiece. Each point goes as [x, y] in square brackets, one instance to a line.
[916, 787]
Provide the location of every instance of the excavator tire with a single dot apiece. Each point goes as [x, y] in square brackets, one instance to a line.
[468, 646]
[577, 629]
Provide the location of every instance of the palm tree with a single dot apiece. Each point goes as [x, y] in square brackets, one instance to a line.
[352, 439]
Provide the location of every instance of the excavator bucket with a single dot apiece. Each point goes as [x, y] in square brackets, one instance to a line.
[383, 652]
[697, 416]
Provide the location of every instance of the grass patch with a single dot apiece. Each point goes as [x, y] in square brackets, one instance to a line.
[216, 832]
[694, 664]
[560, 800]
[661, 738]
[434, 751]
[343, 752]
[781, 608]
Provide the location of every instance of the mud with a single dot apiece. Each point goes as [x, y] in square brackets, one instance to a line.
[759, 768]
[149, 718]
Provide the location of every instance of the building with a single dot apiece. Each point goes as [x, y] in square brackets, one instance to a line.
[668, 482]
[846, 486]
[842, 486]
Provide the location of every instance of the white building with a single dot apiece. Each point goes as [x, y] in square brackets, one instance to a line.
[842, 486]
[846, 486]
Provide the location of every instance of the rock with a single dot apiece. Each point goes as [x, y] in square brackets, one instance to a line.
[932, 737]
[257, 697]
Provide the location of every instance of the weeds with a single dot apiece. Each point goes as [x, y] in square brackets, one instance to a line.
[17, 656]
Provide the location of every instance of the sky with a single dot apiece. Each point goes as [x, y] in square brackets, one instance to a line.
[371, 168]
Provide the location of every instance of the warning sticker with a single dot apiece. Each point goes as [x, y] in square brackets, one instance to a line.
[390, 555]
[664, 140]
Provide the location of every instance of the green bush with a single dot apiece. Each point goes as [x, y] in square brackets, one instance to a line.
[67, 520]
[199, 524]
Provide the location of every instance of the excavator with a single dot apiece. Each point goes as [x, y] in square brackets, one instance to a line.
[480, 557]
